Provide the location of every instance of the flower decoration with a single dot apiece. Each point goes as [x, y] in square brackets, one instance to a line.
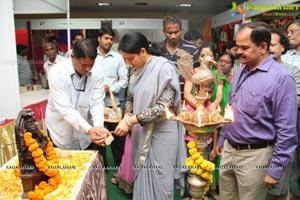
[45, 162]
[198, 165]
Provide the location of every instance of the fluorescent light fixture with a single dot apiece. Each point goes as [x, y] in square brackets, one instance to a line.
[104, 4]
[184, 5]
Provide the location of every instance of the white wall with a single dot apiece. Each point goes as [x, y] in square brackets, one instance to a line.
[9, 83]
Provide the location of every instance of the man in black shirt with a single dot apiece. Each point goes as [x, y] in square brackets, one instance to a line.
[169, 47]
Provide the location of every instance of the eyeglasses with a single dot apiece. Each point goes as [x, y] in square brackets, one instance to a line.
[292, 32]
[84, 83]
[226, 61]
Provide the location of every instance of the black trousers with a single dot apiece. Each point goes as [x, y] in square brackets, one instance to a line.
[117, 145]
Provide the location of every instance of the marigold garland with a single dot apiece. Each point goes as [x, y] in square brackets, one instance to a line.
[44, 164]
[198, 165]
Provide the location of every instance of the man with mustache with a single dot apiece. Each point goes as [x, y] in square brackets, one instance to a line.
[173, 32]
[259, 144]
[75, 109]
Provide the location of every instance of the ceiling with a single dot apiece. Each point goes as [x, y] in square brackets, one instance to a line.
[199, 6]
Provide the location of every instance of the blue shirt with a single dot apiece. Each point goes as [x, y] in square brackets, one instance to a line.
[264, 105]
[115, 74]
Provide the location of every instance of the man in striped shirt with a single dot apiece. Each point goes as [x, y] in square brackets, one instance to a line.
[169, 47]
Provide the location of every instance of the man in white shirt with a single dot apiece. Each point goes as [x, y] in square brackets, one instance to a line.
[51, 50]
[115, 78]
[74, 114]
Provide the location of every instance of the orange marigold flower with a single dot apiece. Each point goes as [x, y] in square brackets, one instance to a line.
[29, 141]
[43, 132]
[33, 147]
[47, 190]
[50, 172]
[52, 181]
[39, 159]
[44, 168]
[51, 153]
[38, 152]
[36, 187]
[40, 194]
[58, 179]
[52, 157]
[27, 135]
[17, 172]
[41, 164]
[49, 149]
[50, 144]
[43, 185]
[31, 195]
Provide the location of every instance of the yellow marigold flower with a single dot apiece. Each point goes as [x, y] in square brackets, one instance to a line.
[195, 156]
[192, 144]
[199, 160]
[204, 164]
[210, 167]
[189, 163]
[199, 171]
[192, 151]
[189, 159]
[206, 175]
[194, 171]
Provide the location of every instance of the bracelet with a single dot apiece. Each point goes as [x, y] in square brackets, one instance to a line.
[127, 121]
[128, 114]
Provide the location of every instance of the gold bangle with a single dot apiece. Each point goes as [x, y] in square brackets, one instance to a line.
[128, 114]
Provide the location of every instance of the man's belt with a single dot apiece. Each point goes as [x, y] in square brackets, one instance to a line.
[239, 146]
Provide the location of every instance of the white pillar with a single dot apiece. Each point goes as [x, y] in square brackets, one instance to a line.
[9, 83]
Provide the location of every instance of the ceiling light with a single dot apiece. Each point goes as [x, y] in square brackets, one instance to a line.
[185, 5]
[104, 4]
